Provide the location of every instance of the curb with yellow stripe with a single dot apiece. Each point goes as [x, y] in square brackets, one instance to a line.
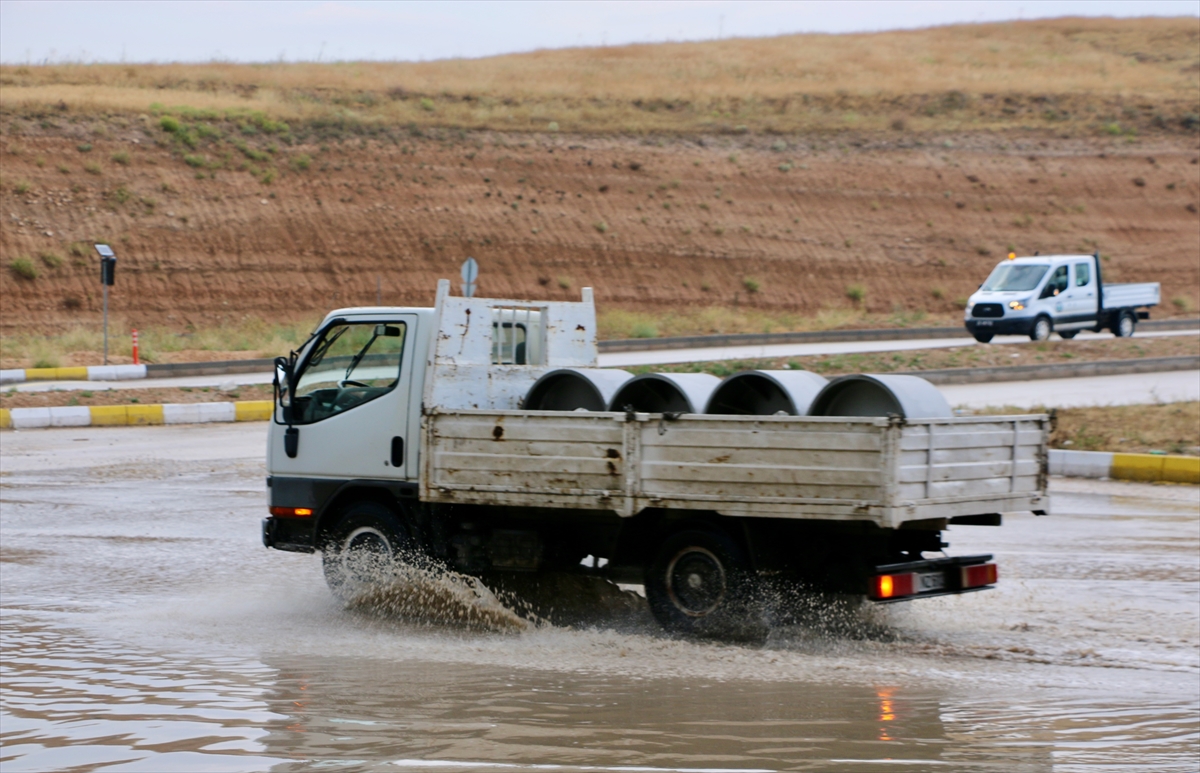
[132, 415]
[82, 373]
[1145, 467]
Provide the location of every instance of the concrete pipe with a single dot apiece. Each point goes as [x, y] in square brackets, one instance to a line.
[572, 389]
[873, 394]
[665, 393]
[766, 393]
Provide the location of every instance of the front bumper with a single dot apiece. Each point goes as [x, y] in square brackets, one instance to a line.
[1000, 326]
[292, 534]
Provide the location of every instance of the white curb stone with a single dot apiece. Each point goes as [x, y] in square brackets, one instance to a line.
[30, 418]
[12, 376]
[1081, 464]
[70, 416]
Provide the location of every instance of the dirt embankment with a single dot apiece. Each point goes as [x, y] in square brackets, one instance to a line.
[885, 222]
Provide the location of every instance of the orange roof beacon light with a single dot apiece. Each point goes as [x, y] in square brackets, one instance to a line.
[1012, 256]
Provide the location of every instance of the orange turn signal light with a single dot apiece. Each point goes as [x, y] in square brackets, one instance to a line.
[292, 512]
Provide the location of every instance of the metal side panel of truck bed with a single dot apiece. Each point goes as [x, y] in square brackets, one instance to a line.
[882, 470]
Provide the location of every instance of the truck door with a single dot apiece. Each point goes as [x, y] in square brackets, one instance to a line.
[351, 405]
[1083, 299]
[1053, 296]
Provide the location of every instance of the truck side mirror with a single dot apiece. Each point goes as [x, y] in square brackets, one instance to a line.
[387, 331]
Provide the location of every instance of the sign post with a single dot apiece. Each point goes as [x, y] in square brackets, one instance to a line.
[470, 272]
[108, 271]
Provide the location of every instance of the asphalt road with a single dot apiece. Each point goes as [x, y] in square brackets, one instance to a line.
[1050, 393]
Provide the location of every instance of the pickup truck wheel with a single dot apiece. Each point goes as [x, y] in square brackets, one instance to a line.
[1067, 334]
[701, 584]
[983, 338]
[1125, 325]
[1041, 329]
[362, 550]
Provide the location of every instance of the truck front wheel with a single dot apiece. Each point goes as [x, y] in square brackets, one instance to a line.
[1125, 325]
[1041, 329]
[983, 338]
[362, 549]
[701, 584]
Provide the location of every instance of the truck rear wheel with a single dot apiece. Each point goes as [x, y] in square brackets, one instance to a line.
[1041, 330]
[362, 550]
[701, 584]
[1126, 323]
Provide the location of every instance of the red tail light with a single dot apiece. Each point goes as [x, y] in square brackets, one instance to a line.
[292, 512]
[979, 574]
[893, 586]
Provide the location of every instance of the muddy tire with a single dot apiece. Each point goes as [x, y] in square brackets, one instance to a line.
[700, 584]
[983, 338]
[1067, 335]
[362, 550]
[1041, 330]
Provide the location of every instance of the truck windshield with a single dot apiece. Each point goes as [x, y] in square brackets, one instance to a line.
[1015, 277]
[349, 365]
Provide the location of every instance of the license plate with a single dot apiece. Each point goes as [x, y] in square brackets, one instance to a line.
[933, 581]
[984, 323]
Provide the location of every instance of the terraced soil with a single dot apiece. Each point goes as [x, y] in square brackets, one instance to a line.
[888, 222]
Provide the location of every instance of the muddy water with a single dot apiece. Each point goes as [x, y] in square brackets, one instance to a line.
[144, 628]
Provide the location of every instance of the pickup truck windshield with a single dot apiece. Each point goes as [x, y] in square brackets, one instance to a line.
[351, 364]
[1014, 277]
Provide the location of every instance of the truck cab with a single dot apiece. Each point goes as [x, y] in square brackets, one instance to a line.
[1040, 295]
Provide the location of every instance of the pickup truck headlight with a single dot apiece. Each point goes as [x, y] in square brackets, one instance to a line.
[1017, 305]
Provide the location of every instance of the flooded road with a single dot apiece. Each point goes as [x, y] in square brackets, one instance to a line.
[145, 628]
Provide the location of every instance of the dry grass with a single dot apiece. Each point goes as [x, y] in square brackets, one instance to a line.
[973, 76]
[1172, 428]
[247, 339]
[969, 355]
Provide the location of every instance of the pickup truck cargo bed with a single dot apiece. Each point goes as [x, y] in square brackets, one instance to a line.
[882, 470]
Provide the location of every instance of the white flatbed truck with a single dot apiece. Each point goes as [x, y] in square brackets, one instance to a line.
[399, 434]
[1064, 294]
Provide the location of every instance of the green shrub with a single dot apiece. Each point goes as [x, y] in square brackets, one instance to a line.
[93, 168]
[121, 157]
[1181, 303]
[600, 226]
[301, 162]
[751, 284]
[426, 104]
[170, 124]
[856, 293]
[22, 187]
[51, 259]
[644, 330]
[78, 249]
[938, 293]
[84, 147]
[23, 268]
[564, 283]
[197, 161]
[122, 194]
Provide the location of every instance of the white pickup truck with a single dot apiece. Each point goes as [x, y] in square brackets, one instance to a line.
[1055, 293]
[399, 434]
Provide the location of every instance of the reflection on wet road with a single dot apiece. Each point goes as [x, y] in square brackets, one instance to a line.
[144, 628]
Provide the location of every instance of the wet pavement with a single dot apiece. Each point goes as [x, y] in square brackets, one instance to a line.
[145, 628]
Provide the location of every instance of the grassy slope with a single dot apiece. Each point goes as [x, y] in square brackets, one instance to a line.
[1069, 74]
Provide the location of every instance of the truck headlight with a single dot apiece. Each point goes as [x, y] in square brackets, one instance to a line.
[1016, 305]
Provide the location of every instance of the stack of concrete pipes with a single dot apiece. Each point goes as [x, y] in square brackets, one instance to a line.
[749, 393]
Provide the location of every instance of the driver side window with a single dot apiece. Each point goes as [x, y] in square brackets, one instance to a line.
[351, 364]
[1057, 283]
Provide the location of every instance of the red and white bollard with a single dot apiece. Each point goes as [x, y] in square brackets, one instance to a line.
[135, 349]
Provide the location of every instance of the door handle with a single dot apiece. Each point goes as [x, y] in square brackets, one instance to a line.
[397, 452]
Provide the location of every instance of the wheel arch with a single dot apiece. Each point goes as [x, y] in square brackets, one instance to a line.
[640, 536]
[349, 494]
